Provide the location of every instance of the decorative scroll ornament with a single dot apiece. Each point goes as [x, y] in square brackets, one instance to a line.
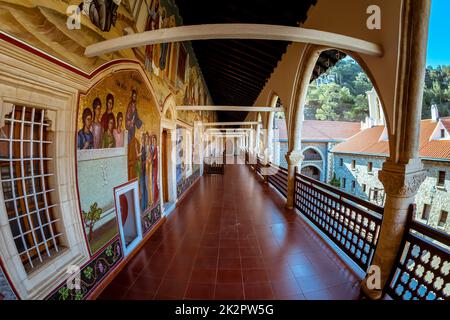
[401, 184]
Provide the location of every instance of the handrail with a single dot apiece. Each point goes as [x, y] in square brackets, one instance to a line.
[342, 194]
[431, 233]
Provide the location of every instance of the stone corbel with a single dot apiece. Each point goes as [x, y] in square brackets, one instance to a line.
[401, 181]
[294, 158]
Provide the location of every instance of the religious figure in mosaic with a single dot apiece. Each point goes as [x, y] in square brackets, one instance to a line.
[96, 127]
[118, 131]
[108, 140]
[102, 13]
[85, 139]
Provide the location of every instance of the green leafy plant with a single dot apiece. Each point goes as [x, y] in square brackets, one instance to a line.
[109, 251]
[91, 217]
[63, 293]
[88, 272]
[335, 182]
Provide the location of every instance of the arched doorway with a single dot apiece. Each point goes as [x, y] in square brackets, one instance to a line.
[312, 172]
[312, 154]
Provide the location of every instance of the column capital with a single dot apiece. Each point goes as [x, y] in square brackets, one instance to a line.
[294, 158]
[400, 180]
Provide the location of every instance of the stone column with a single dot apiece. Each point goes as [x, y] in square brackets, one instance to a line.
[401, 183]
[402, 173]
[294, 159]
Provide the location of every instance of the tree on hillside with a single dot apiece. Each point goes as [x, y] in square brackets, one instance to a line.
[346, 99]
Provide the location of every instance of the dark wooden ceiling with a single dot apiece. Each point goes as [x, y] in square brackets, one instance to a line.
[236, 71]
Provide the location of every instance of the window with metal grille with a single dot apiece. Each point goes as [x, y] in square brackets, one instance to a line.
[25, 168]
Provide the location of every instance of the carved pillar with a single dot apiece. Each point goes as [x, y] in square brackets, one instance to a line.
[294, 159]
[401, 183]
[402, 173]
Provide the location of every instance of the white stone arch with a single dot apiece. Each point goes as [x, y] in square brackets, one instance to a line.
[305, 70]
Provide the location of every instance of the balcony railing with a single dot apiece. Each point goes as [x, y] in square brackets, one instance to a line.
[422, 271]
[278, 178]
[351, 223]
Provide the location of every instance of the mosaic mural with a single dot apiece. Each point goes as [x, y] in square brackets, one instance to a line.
[117, 141]
[90, 275]
[118, 120]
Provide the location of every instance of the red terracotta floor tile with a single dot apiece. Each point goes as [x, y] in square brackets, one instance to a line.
[285, 288]
[172, 288]
[139, 295]
[147, 283]
[233, 248]
[203, 276]
[252, 262]
[255, 275]
[258, 291]
[229, 263]
[229, 276]
[200, 291]
[113, 292]
[225, 291]
[206, 263]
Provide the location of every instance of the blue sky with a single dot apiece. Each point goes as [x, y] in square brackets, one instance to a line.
[439, 34]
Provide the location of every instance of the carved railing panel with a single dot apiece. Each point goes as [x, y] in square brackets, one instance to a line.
[351, 223]
[422, 271]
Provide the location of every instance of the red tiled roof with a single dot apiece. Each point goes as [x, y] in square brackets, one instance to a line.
[322, 130]
[368, 142]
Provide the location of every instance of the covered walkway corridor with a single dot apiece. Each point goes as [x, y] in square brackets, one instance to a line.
[232, 238]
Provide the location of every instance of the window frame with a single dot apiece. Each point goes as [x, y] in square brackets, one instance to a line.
[370, 167]
[34, 213]
[41, 281]
[442, 224]
[426, 209]
[440, 183]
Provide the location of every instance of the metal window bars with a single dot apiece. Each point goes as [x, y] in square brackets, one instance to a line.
[26, 188]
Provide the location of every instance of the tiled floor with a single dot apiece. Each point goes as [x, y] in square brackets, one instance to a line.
[231, 238]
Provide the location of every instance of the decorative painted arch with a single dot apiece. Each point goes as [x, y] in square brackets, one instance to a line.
[304, 72]
[169, 111]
